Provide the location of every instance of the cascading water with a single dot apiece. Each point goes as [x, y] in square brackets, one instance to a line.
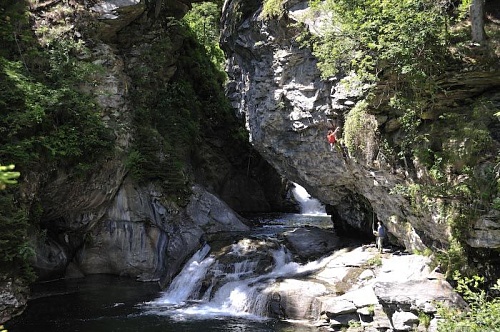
[240, 283]
[188, 283]
[308, 204]
[236, 289]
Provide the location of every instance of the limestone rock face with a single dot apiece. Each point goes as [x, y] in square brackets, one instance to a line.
[104, 223]
[486, 231]
[211, 214]
[113, 15]
[276, 86]
[141, 237]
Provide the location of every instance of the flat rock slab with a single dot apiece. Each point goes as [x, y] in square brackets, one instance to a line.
[312, 242]
[417, 293]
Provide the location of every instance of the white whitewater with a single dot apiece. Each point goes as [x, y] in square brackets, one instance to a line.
[308, 204]
[240, 293]
[188, 282]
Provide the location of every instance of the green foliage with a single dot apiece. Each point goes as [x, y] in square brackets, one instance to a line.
[15, 251]
[496, 203]
[463, 8]
[402, 43]
[403, 38]
[359, 130]
[460, 140]
[7, 177]
[401, 48]
[172, 115]
[375, 261]
[464, 137]
[483, 313]
[134, 163]
[453, 259]
[410, 121]
[424, 319]
[45, 117]
[203, 20]
[272, 8]
[160, 152]
[354, 324]
[47, 122]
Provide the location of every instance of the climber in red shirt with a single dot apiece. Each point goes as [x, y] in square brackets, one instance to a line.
[332, 137]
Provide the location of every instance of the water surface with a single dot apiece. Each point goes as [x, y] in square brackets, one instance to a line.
[102, 303]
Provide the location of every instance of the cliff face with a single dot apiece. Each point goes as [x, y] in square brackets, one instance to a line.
[145, 231]
[288, 109]
[105, 220]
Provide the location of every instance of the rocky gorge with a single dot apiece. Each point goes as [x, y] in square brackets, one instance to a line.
[108, 222]
[288, 108]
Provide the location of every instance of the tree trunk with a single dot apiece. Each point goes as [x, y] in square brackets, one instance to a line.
[477, 21]
[158, 8]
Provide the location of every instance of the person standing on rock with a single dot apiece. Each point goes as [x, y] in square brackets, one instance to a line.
[380, 235]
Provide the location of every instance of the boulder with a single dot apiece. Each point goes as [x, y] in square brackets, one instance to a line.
[211, 214]
[312, 242]
[410, 295]
[404, 321]
[13, 298]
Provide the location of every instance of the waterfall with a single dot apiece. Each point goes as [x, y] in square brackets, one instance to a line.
[235, 289]
[187, 284]
[308, 204]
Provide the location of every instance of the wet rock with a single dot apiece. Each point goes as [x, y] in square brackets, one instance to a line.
[13, 298]
[211, 214]
[297, 297]
[50, 260]
[312, 242]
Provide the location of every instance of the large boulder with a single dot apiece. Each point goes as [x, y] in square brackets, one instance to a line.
[141, 236]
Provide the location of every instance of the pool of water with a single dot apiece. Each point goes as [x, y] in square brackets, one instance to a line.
[103, 303]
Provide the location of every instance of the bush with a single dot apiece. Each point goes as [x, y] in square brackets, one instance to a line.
[483, 313]
[360, 132]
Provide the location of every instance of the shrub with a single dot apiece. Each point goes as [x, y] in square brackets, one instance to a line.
[483, 313]
[360, 132]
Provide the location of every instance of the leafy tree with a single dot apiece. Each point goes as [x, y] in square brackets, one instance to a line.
[272, 8]
[203, 19]
[401, 39]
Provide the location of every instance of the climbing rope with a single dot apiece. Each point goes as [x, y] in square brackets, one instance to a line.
[373, 221]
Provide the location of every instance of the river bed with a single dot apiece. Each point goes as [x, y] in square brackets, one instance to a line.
[109, 303]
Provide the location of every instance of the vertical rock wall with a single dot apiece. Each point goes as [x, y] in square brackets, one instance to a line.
[105, 222]
[288, 109]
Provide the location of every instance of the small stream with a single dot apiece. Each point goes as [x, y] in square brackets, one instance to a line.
[230, 303]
